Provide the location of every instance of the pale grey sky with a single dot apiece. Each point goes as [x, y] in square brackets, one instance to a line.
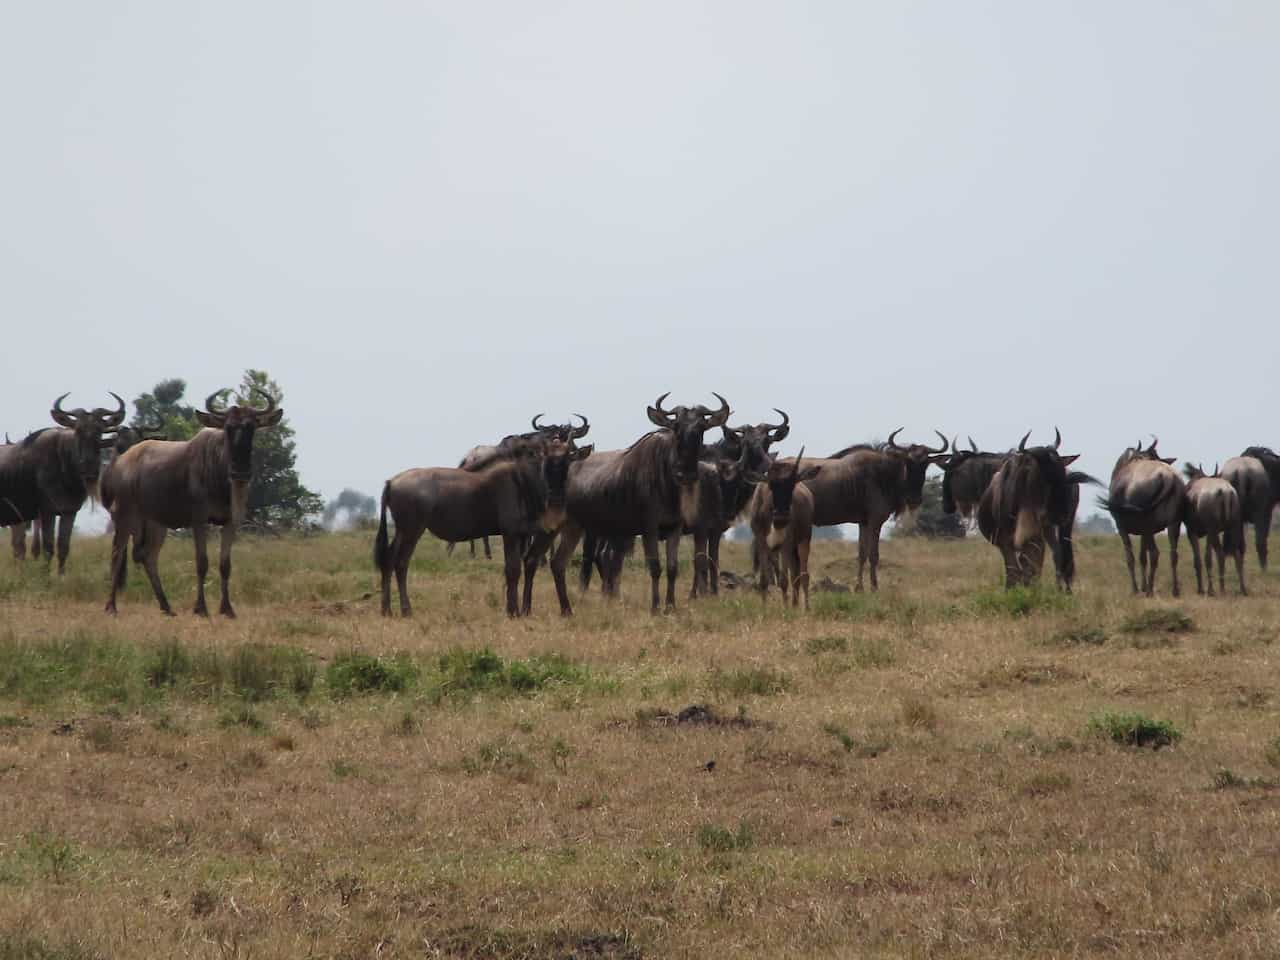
[430, 221]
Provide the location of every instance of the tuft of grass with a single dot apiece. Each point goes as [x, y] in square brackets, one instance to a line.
[750, 681]
[919, 712]
[100, 736]
[1047, 783]
[1079, 635]
[1271, 752]
[1226, 779]
[352, 673]
[713, 838]
[242, 716]
[828, 644]
[1159, 620]
[462, 672]
[52, 852]
[1021, 601]
[1134, 729]
[500, 756]
[863, 749]
[869, 654]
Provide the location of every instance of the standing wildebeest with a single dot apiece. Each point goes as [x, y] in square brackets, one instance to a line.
[781, 513]
[162, 485]
[479, 457]
[1255, 475]
[1212, 510]
[1145, 497]
[48, 475]
[517, 497]
[18, 531]
[867, 485]
[1029, 507]
[966, 474]
[647, 489]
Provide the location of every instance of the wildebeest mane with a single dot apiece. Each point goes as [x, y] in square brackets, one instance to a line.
[856, 447]
[646, 465]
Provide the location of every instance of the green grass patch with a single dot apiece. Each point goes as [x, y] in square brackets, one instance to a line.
[1166, 620]
[1226, 779]
[360, 673]
[1134, 729]
[713, 838]
[750, 681]
[501, 756]
[466, 672]
[1021, 601]
[817, 645]
[864, 749]
[1271, 752]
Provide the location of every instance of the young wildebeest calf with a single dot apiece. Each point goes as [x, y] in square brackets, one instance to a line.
[781, 512]
[516, 498]
[1145, 497]
[1211, 509]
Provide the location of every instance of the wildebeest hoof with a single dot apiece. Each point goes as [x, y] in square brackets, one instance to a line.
[111, 609]
[201, 610]
[227, 612]
[167, 612]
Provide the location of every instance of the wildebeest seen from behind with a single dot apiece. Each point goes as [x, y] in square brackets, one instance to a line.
[1212, 510]
[47, 476]
[1029, 509]
[515, 497]
[647, 489]
[1145, 497]
[1255, 475]
[867, 485]
[160, 485]
[479, 457]
[781, 513]
[965, 477]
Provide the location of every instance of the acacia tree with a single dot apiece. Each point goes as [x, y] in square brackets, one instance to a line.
[277, 498]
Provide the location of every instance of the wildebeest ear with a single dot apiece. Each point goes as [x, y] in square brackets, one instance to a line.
[1067, 461]
[809, 472]
[1168, 460]
[272, 418]
[215, 420]
[581, 453]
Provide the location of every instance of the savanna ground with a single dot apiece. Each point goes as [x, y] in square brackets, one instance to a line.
[937, 771]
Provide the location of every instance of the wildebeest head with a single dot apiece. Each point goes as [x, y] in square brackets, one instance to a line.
[238, 424]
[782, 478]
[688, 424]
[557, 455]
[1138, 452]
[732, 475]
[89, 427]
[754, 440]
[564, 432]
[1039, 476]
[916, 458]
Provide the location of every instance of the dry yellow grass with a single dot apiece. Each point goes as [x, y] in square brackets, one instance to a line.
[911, 774]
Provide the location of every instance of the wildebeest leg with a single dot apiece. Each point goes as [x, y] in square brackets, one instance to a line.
[1237, 554]
[448, 548]
[511, 562]
[761, 561]
[1174, 529]
[802, 559]
[1194, 540]
[45, 524]
[1011, 571]
[119, 561]
[1222, 563]
[153, 540]
[1262, 531]
[673, 568]
[533, 555]
[1153, 561]
[1213, 547]
[1128, 558]
[570, 534]
[875, 556]
[864, 549]
[18, 538]
[488, 554]
[65, 522]
[199, 536]
[713, 548]
[401, 554]
[699, 584]
[227, 538]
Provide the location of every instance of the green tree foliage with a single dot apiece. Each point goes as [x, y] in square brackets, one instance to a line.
[277, 498]
[350, 508]
[162, 412]
[930, 521]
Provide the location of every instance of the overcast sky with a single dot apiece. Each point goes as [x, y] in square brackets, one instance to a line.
[430, 221]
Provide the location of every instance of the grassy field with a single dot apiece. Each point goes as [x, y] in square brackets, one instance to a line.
[942, 770]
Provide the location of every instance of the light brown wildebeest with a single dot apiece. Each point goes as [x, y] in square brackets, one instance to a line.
[1255, 475]
[1145, 497]
[515, 497]
[781, 512]
[161, 485]
[1212, 510]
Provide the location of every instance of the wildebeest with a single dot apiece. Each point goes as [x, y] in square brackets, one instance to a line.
[647, 489]
[160, 485]
[515, 497]
[781, 512]
[1255, 475]
[479, 457]
[1212, 510]
[1145, 497]
[47, 476]
[867, 485]
[966, 475]
[1029, 508]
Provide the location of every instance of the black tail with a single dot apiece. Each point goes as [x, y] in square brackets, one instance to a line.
[381, 555]
[588, 558]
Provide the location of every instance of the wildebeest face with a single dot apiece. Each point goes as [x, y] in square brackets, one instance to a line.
[916, 458]
[754, 441]
[238, 424]
[688, 424]
[1052, 468]
[782, 479]
[89, 427]
[731, 475]
[556, 460]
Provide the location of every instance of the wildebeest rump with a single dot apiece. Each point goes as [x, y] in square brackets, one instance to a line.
[1255, 475]
[1145, 497]
[47, 476]
[1029, 509]
[1212, 510]
[162, 485]
[781, 513]
[867, 485]
[514, 497]
[650, 487]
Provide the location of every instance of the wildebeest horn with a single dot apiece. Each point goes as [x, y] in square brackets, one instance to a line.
[577, 433]
[61, 416]
[1057, 438]
[890, 442]
[1022, 445]
[211, 401]
[534, 422]
[110, 418]
[972, 446]
[271, 401]
[943, 448]
[720, 417]
[778, 431]
[1154, 441]
[796, 468]
[658, 416]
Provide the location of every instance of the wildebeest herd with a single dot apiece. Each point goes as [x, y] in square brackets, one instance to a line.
[544, 494]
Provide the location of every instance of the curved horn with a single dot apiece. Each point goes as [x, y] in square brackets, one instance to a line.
[778, 431]
[577, 433]
[658, 416]
[972, 446]
[111, 418]
[1022, 445]
[1154, 441]
[271, 401]
[1057, 438]
[210, 402]
[534, 423]
[943, 448]
[60, 416]
[890, 442]
[720, 417]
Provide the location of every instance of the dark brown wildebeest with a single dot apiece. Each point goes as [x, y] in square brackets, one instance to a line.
[1029, 509]
[1212, 510]
[647, 489]
[161, 485]
[781, 512]
[47, 476]
[966, 474]
[478, 458]
[1145, 497]
[1255, 475]
[515, 497]
[867, 485]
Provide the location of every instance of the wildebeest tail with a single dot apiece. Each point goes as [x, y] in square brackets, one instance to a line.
[381, 553]
[1129, 508]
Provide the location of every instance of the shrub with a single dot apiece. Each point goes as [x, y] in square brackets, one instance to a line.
[483, 671]
[352, 673]
[1134, 729]
[714, 838]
